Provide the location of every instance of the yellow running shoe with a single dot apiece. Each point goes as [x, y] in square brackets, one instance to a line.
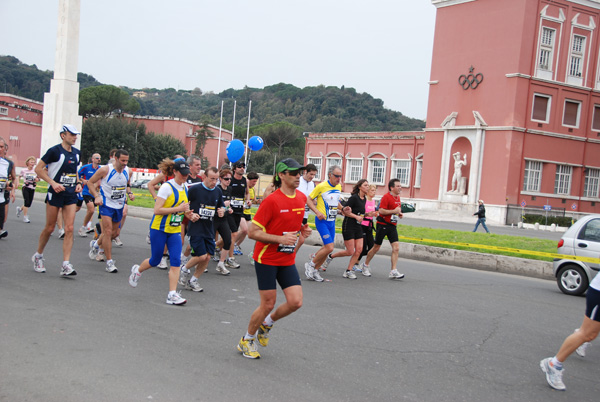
[263, 334]
[248, 348]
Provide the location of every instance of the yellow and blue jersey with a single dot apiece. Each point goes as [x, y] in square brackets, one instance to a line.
[328, 198]
[170, 223]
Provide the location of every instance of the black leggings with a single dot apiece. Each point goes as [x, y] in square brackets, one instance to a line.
[2, 214]
[222, 226]
[28, 194]
[368, 240]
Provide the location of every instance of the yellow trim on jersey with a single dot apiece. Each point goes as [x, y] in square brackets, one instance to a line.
[163, 222]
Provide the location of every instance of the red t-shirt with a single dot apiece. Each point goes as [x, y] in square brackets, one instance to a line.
[278, 213]
[388, 201]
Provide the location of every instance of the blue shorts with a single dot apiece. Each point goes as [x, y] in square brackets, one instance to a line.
[592, 310]
[115, 214]
[326, 229]
[268, 276]
[202, 245]
[61, 199]
[158, 240]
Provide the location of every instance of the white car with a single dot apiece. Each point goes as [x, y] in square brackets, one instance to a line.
[581, 240]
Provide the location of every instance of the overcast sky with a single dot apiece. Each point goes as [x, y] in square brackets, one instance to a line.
[382, 47]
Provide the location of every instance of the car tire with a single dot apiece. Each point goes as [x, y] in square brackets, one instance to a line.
[572, 280]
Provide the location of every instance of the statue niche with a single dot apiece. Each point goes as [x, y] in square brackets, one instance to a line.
[459, 183]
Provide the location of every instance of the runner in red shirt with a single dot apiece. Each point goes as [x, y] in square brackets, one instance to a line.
[390, 211]
[276, 228]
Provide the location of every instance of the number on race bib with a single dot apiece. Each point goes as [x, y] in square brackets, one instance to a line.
[288, 249]
[68, 179]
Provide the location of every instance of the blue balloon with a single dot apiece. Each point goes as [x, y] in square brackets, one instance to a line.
[255, 143]
[235, 150]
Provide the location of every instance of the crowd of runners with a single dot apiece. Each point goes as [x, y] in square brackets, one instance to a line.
[211, 209]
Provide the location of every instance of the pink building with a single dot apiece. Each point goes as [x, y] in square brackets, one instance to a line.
[515, 86]
[21, 126]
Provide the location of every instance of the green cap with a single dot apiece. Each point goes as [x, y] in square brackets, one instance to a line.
[288, 164]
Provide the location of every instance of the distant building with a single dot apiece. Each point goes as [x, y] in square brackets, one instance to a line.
[515, 86]
[139, 94]
[21, 126]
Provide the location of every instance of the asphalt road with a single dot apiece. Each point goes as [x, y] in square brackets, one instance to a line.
[441, 334]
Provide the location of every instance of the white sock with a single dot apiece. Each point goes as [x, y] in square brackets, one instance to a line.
[249, 336]
[65, 263]
[172, 292]
[38, 255]
[109, 261]
[558, 365]
[193, 279]
[268, 321]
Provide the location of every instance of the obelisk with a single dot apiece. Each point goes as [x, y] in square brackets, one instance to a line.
[61, 104]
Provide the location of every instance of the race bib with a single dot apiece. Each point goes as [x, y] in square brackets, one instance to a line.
[332, 213]
[237, 203]
[284, 248]
[68, 180]
[176, 219]
[3, 181]
[394, 219]
[206, 212]
[118, 193]
[30, 177]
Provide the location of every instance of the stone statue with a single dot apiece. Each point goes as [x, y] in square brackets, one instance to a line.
[456, 178]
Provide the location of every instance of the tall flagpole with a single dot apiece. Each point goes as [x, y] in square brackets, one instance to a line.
[219, 145]
[233, 126]
[247, 134]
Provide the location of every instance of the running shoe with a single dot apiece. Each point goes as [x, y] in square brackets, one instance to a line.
[82, 232]
[356, 268]
[263, 334]
[184, 259]
[194, 286]
[176, 299]
[183, 275]
[366, 271]
[553, 375]
[61, 233]
[349, 275]
[148, 238]
[394, 274]
[309, 271]
[317, 276]
[19, 209]
[26, 219]
[118, 242]
[135, 276]
[221, 269]
[326, 263]
[164, 262]
[100, 256]
[237, 250]
[67, 270]
[93, 250]
[251, 258]
[248, 348]
[215, 257]
[3, 233]
[312, 257]
[38, 264]
[231, 263]
[89, 229]
[581, 350]
[110, 267]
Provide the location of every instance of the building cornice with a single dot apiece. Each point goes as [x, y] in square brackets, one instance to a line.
[553, 162]
[550, 195]
[21, 98]
[447, 3]
[486, 128]
[589, 3]
[20, 121]
[557, 135]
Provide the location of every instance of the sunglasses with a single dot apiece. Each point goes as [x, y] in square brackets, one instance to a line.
[226, 178]
[336, 175]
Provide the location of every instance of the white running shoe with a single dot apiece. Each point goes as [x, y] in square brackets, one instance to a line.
[326, 263]
[194, 286]
[349, 275]
[309, 271]
[231, 263]
[38, 264]
[67, 270]
[164, 262]
[26, 219]
[110, 267]
[553, 376]
[118, 242]
[135, 276]
[176, 299]
[183, 275]
[82, 232]
[581, 350]
[215, 257]
[312, 257]
[394, 274]
[221, 269]
[184, 259]
[317, 276]
[100, 256]
[89, 229]
[366, 271]
[61, 233]
[93, 250]
[19, 209]
[357, 268]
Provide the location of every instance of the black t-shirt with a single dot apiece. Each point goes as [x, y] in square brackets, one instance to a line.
[358, 208]
[225, 196]
[238, 194]
[205, 203]
[191, 181]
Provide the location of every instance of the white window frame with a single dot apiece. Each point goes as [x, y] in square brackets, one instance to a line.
[591, 187]
[548, 107]
[354, 173]
[318, 162]
[578, 113]
[332, 161]
[418, 173]
[396, 170]
[562, 179]
[4, 111]
[576, 58]
[532, 178]
[547, 48]
[371, 171]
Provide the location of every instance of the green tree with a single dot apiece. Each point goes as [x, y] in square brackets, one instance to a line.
[105, 100]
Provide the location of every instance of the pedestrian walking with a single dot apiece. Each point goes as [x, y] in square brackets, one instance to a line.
[480, 217]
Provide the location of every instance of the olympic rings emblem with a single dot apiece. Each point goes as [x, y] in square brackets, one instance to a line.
[470, 81]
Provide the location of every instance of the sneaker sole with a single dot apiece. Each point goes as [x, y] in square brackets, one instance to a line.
[176, 304]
